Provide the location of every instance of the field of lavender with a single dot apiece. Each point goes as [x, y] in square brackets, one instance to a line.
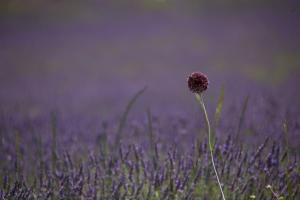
[95, 103]
[147, 158]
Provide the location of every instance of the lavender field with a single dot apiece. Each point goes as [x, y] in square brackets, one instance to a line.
[95, 104]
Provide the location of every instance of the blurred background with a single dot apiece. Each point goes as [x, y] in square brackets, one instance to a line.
[88, 57]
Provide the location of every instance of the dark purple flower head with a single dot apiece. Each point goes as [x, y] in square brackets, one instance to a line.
[197, 82]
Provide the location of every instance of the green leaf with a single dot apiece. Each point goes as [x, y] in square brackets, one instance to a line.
[219, 106]
[242, 116]
[285, 131]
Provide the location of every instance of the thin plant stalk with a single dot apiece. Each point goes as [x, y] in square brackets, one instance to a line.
[125, 114]
[201, 102]
[54, 142]
[242, 117]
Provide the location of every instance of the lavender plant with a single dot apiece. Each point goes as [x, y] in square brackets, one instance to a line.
[155, 159]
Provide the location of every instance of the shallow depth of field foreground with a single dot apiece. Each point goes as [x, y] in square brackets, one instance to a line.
[95, 101]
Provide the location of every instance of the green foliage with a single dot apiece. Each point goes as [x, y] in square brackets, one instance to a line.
[219, 106]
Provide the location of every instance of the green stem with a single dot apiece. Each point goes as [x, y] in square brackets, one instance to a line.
[125, 114]
[201, 102]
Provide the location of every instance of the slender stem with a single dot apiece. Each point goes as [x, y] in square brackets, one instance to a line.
[200, 100]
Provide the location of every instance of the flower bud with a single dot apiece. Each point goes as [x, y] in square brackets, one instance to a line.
[197, 82]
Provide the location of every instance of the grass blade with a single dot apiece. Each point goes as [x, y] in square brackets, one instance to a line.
[286, 138]
[151, 138]
[242, 116]
[54, 139]
[125, 114]
[219, 106]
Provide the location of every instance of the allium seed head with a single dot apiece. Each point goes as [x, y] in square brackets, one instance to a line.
[197, 82]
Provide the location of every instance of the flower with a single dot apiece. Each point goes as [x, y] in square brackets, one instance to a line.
[197, 82]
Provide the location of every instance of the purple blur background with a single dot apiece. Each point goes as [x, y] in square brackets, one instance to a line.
[86, 59]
